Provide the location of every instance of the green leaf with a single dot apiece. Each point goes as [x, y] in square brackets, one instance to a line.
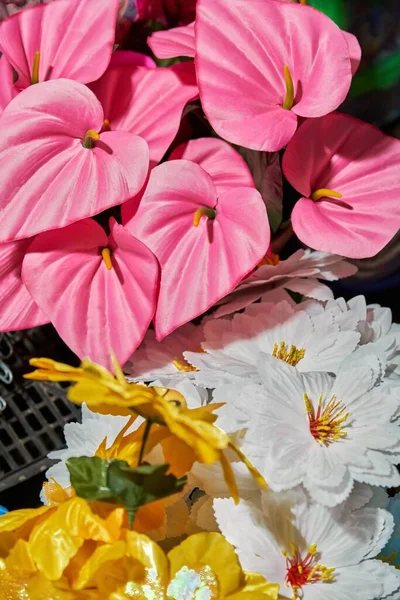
[88, 477]
[115, 481]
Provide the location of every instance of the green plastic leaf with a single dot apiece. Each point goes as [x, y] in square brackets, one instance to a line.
[88, 477]
[114, 481]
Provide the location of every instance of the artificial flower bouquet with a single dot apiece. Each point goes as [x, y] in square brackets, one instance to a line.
[239, 424]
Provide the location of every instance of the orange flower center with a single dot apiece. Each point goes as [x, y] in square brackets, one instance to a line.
[303, 571]
[326, 423]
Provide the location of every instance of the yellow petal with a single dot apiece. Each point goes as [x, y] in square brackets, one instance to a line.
[57, 539]
[7, 540]
[214, 551]
[229, 478]
[255, 473]
[148, 553]
[149, 517]
[55, 494]
[102, 554]
[178, 455]
[19, 561]
[16, 518]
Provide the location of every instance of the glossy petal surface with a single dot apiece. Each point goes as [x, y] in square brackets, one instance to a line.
[226, 167]
[178, 41]
[199, 265]
[75, 39]
[240, 68]
[48, 179]
[95, 310]
[146, 101]
[356, 160]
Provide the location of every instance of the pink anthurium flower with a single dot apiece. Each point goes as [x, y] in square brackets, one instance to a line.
[179, 41]
[226, 167]
[70, 39]
[18, 310]
[145, 101]
[206, 242]
[263, 64]
[99, 291]
[55, 166]
[348, 173]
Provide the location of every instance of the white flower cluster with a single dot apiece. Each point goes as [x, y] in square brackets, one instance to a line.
[312, 394]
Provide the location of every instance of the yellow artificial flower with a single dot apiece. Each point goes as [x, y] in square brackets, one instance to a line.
[187, 435]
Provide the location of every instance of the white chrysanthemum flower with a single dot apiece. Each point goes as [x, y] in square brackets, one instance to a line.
[315, 553]
[309, 342]
[83, 439]
[374, 325]
[320, 431]
[300, 273]
[158, 360]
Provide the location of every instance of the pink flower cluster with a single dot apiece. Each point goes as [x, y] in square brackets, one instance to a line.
[85, 131]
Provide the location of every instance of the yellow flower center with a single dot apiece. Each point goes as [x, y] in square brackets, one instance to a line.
[183, 365]
[189, 584]
[292, 356]
[326, 424]
[303, 571]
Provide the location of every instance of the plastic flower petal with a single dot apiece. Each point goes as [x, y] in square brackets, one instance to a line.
[67, 38]
[261, 65]
[187, 434]
[103, 289]
[7, 90]
[157, 360]
[308, 342]
[179, 41]
[18, 308]
[145, 101]
[226, 167]
[300, 273]
[205, 242]
[350, 189]
[313, 552]
[56, 167]
[323, 432]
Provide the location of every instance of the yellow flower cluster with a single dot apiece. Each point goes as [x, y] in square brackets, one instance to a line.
[187, 435]
[71, 553]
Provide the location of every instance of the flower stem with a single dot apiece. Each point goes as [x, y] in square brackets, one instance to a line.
[144, 440]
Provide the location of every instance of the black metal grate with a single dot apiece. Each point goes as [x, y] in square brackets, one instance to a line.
[34, 414]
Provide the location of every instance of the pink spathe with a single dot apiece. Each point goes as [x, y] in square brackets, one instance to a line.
[225, 165]
[146, 101]
[95, 310]
[48, 178]
[199, 265]
[242, 49]
[18, 309]
[179, 41]
[75, 39]
[355, 159]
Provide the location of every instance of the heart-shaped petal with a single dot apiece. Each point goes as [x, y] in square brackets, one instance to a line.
[199, 264]
[242, 51]
[146, 101]
[357, 161]
[75, 40]
[18, 310]
[226, 167]
[97, 304]
[48, 178]
[178, 41]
